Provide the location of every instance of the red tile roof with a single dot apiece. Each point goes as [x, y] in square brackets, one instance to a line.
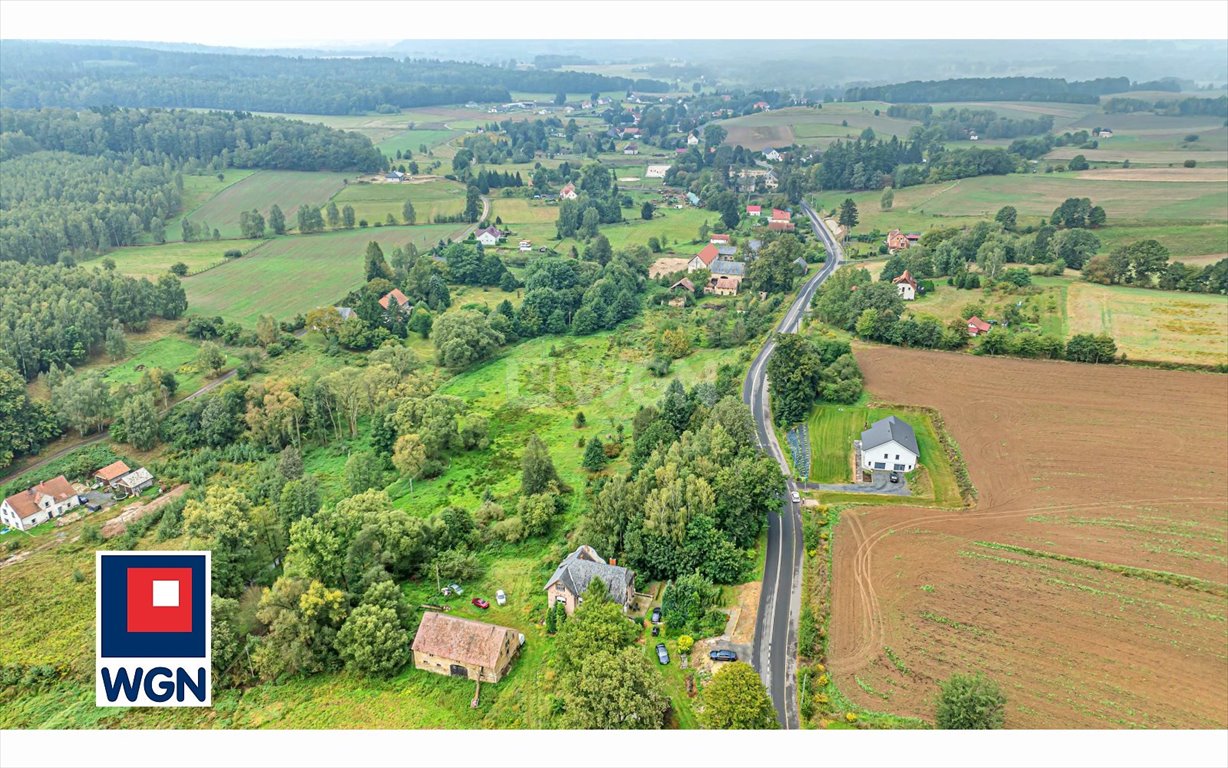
[754, 209]
[474, 643]
[25, 503]
[718, 238]
[781, 226]
[708, 254]
[980, 325]
[395, 294]
[112, 471]
[780, 215]
[905, 278]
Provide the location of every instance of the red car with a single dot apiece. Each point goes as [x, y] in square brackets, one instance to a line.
[479, 602]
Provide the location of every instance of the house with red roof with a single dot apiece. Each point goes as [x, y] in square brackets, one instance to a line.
[400, 299]
[50, 498]
[703, 259]
[719, 239]
[779, 215]
[111, 472]
[906, 286]
[780, 226]
[754, 210]
[568, 192]
[723, 285]
[977, 326]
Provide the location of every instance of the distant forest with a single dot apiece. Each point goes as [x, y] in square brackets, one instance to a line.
[36, 74]
[993, 89]
[74, 183]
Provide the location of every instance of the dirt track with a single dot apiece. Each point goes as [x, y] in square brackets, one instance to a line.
[1118, 466]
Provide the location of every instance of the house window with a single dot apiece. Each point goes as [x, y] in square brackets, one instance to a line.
[880, 465]
[884, 455]
[899, 466]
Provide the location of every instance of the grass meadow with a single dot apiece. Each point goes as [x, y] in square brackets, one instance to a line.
[153, 261]
[374, 202]
[263, 189]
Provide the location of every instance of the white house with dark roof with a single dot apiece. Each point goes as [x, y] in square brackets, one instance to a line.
[489, 236]
[573, 575]
[889, 444]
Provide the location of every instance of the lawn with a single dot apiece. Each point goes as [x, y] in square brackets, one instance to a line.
[1047, 299]
[170, 353]
[374, 202]
[1153, 325]
[153, 261]
[263, 189]
[413, 140]
[833, 428]
[536, 221]
[291, 275]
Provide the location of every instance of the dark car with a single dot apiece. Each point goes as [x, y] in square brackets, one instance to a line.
[479, 602]
[894, 477]
[662, 654]
[723, 655]
[656, 615]
[656, 629]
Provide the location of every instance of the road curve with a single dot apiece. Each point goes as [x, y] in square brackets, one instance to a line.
[775, 649]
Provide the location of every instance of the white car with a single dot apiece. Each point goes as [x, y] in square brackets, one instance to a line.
[501, 597]
[797, 497]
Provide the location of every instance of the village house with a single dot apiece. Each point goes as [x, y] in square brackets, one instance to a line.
[631, 149]
[977, 326]
[906, 286]
[719, 238]
[345, 312]
[679, 292]
[754, 210]
[489, 236]
[780, 216]
[762, 105]
[50, 498]
[1104, 133]
[728, 267]
[780, 226]
[727, 251]
[896, 241]
[753, 247]
[889, 444]
[526, 246]
[685, 284]
[703, 259]
[133, 483]
[692, 140]
[801, 265]
[394, 176]
[111, 472]
[568, 192]
[723, 285]
[572, 577]
[448, 645]
[395, 296]
[771, 155]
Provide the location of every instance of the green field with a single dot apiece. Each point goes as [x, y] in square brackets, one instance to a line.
[833, 428]
[813, 126]
[294, 274]
[1153, 325]
[374, 202]
[170, 353]
[412, 140]
[535, 221]
[153, 261]
[261, 190]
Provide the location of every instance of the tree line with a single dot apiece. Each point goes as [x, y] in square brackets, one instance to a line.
[37, 74]
[992, 89]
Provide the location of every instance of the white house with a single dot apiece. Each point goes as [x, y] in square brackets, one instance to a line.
[568, 192]
[26, 509]
[906, 286]
[772, 155]
[889, 444]
[489, 236]
[703, 259]
[631, 149]
[525, 246]
[692, 140]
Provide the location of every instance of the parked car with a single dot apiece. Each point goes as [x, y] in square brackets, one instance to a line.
[456, 589]
[656, 630]
[797, 497]
[894, 477]
[723, 655]
[480, 603]
[662, 654]
[501, 597]
[656, 615]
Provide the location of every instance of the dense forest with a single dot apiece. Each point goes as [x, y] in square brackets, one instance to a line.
[50, 74]
[1172, 107]
[84, 182]
[992, 89]
[957, 124]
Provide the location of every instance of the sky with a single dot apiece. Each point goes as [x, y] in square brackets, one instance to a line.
[308, 23]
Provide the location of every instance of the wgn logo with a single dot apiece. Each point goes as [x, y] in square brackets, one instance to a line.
[153, 620]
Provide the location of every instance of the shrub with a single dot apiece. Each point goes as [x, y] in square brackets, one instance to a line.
[970, 703]
[1190, 163]
[232, 253]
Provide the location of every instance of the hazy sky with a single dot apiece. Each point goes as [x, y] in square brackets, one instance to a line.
[251, 23]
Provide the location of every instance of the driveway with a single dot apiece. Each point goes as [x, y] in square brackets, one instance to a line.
[880, 485]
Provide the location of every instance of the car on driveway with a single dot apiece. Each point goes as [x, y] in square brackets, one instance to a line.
[723, 655]
[456, 590]
[656, 615]
[797, 497]
[501, 597]
[656, 630]
[662, 654]
[480, 603]
[894, 477]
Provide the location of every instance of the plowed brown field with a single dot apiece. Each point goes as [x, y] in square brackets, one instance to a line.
[1083, 471]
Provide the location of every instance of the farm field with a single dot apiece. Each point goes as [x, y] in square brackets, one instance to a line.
[1098, 524]
[171, 353]
[153, 261]
[1153, 325]
[812, 126]
[262, 190]
[536, 222]
[289, 275]
[413, 139]
[1048, 301]
[374, 202]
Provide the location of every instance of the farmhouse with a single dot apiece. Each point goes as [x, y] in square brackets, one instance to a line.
[703, 259]
[50, 498]
[780, 226]
[896, 241]
[726, 251]
[111, 472]
[780, 216]
[568, 192]
[906, 286]
[685, 284]
[692, 140]
[728, 267]
[889, 444]
[656, 171]
[489, 235]
[772, 155]
[394, 176]
[719, 239]
[345, 312]
[1104, 133]
[396, 297]
[723, 285]
[133, 483]
[631, 149]
[573, 575]
[977, 326]
[526, 245]
[447, 645]
[754, 210]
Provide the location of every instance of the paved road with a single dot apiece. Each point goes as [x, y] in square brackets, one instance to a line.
[775, 650]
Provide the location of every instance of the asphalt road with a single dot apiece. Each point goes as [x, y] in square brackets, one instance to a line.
[775, 649]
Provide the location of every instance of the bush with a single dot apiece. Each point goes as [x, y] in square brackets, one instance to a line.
[233, 253]
[970, 703]
[659, 366]
[1190, 163]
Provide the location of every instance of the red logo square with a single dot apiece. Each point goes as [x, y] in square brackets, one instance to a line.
[159, 599]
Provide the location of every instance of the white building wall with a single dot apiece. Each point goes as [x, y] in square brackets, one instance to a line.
[886, 454]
